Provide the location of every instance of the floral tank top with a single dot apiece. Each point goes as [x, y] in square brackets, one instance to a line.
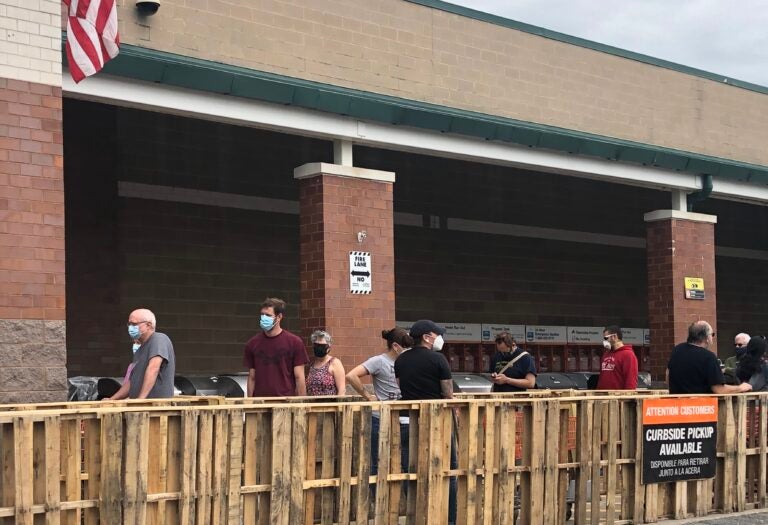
[320, 381]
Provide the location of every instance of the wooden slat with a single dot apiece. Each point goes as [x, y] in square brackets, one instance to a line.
[189, 438]
[345, 465]
[551, 472]
[250, 459]
[298, 465]
[220, 468]
[597, 424]
[506, 479]
[489, 461]
[110, 496]
[234, 465]
[611, 469]
[468, 493]
[70, 464]
[92, 466]
[311, 472]
[136, 468]
[762, 479]
[538, 449]
[328, 466]
[155, 448]
[24, 474]
[204, 469]
[52, 469]
[363, 440]
[437, 497]
[173, 467]
[637, 488]
[584, 456]
[414, 458]
[741, 456]
[382, 486]
[280, 495]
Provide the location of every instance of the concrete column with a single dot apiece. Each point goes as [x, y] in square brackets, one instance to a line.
[345, 209]
[32, 315]
[680, 244]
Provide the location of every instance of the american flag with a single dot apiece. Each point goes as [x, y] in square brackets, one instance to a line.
[92, 37]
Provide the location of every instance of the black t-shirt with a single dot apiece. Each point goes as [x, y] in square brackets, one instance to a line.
[420, 371]
[522, 367]
[693, 370]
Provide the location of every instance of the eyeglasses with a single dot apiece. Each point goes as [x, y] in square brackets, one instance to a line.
[714, 334]
[606, 337]
[138, 323]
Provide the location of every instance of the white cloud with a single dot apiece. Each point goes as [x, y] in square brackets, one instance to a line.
[728, 38]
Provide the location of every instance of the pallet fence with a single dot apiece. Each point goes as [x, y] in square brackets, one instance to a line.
[526, 459]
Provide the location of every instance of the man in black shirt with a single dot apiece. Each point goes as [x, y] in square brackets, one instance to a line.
[423, 373]
[694, 369]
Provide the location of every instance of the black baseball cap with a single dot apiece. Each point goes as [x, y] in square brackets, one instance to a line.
[425, 326]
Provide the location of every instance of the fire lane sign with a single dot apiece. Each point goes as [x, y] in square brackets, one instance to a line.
[360, 273]
[679, 439]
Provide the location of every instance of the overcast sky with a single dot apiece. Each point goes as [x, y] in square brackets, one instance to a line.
[725, 37]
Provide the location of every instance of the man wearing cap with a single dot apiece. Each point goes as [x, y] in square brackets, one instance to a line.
[423, 373]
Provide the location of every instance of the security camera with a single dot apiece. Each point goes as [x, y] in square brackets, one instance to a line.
[147, 7]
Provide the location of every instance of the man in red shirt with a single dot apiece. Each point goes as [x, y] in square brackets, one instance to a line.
[618, 367]
[275, 358]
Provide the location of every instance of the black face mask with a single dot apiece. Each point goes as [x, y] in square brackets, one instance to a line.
[320, 349]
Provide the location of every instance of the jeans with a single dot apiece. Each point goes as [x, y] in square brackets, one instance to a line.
[375, 423]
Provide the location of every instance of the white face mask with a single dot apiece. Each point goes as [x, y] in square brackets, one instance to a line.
[438, 344]
[606, 345]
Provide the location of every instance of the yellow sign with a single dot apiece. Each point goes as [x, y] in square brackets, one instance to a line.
[694, 283]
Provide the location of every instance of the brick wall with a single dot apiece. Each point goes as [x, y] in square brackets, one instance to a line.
[32, 351]
[402, 49]
[30, 41]
[678, 249]
[333, 210]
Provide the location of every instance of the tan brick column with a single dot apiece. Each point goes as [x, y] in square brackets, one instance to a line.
[336, 203]
[679, 245]
[32, 325]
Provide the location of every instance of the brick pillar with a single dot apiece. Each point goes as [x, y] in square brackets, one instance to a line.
[32, 325]
[679, 245]
[336, 202]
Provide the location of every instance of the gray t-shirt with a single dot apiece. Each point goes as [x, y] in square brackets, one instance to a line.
[382, 370]
[157, 345]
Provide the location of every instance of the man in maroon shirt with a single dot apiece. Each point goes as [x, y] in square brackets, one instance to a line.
[618, 367]
[275, 358]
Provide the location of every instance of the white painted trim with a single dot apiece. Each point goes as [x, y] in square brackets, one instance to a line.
[206, 198]
[314, 169]
[289, 119]
[342, 153]
[661, 215]
[516, 230]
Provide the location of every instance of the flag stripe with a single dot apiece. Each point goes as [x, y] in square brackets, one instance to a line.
[92, 35]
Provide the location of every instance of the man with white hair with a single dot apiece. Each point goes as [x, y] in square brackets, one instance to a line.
[740, 346]
[154, 363]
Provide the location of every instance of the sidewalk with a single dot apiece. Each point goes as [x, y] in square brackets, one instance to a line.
[749, 517]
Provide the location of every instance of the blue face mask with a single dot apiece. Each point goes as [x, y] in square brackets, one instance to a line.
[266, 322]
[136, 347]
[133, 331]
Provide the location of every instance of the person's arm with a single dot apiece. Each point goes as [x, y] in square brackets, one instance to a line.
[529, 381]
[251, 382]
[122, 393]
[337, 369]
[731, 389]
[150, 376]
[630, 374]
[446, 388]
[353, 378]
[301, 383]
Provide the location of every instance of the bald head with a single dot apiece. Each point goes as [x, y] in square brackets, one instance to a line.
[142, 315]
[700, 333]
[741, 340]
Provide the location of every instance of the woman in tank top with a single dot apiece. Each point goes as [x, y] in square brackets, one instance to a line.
[326, 373]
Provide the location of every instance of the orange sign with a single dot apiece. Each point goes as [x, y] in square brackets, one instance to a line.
[679, 410]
